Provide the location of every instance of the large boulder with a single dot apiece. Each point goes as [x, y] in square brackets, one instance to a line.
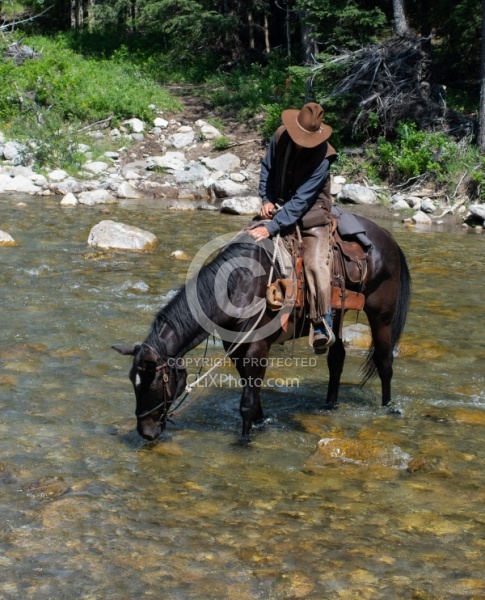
[225, 162]
[95, 197]
[357, 194]
[248, 205]
[477, 210]
[225, 188]
[110, 234]
[21, 185]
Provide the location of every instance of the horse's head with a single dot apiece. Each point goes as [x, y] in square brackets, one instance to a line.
[157, 381]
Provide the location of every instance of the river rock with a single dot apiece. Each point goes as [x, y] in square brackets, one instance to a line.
[401, 205]
[96, 167]
[13, 151]
[226, 163]
[6, 239]
[69, 200]
[357, 194]
[209, 132]
[67, 186]
[172, 161]
[477, 210]
[57, 175]
[363, 452]
[135, 125]
[225, 188]
[159, 122]
[125, 190]
[421, 218]
[110, 234]
[181, 140]
[428, 206]
[192, 171]
[249, 205]
[96, 197]
[21, 184]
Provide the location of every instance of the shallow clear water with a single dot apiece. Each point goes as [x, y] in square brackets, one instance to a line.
[388, 507]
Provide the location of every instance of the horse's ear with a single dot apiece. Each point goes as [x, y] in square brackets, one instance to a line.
[126, 350]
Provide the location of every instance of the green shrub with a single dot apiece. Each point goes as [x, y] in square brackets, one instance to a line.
[414, 153]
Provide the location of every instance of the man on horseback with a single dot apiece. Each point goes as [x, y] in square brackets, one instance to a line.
[295, 189]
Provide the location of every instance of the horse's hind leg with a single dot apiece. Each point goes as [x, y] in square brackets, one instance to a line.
[383, 357]
[335, 362]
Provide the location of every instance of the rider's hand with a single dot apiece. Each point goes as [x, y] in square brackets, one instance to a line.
[258, 233]
[267, 210]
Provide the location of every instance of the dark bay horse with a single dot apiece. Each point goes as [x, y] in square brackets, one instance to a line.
[227, 295]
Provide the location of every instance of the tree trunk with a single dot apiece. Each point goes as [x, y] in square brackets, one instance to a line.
[400, 20]
[481, 133]
[307, 40]
[266, 33]
[251, 30]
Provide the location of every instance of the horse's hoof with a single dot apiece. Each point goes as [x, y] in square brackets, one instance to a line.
[394, 410]
[245, 441]
[330, 406]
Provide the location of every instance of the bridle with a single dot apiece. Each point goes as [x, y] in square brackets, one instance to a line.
[165, 368]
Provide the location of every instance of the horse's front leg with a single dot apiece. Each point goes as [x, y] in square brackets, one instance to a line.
[335, 362]
[250, 362]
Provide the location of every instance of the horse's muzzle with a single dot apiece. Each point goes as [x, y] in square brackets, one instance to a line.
[149, 428]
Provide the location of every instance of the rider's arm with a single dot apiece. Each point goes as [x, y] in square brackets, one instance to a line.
[302, 200]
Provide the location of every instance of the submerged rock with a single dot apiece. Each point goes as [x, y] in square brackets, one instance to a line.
[110, 234]
[6, 239]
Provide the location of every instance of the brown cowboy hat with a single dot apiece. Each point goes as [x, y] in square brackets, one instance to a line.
[305, 126]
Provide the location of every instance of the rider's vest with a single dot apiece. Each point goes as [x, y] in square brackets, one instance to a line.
[294, 165]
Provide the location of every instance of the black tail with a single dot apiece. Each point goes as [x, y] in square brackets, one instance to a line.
[398, 319]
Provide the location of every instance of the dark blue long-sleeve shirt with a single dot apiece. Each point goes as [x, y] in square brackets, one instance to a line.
[301, 201]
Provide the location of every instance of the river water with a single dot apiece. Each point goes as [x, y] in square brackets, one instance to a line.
[388, 506]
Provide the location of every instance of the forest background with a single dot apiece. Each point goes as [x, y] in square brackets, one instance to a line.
[400, 80]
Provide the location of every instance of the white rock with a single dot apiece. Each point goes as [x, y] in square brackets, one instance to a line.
[249, 205]
[179, 255]
[225, 162]
[159, 122]
[94, 197]
[209, 132]
[22, 185]
[357, 194]
[135, 125]
[237, 177]
[414, 202]
[38, 179]
[96, 167]
[13, 150]
[110, 234]
[132, 175]
[125, 190]
[185, 129]
[421, 218]
[478, 210]
[401, 204]
[6, 239]
[173, 161]
[200, 123]
[225, 188]
[339, 180]
[181, 140]
[428, 206]
[57, 175]
[192, 171]
[69, 200]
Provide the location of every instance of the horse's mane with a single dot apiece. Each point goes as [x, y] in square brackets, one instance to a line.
[177, 313]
